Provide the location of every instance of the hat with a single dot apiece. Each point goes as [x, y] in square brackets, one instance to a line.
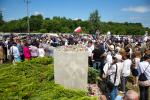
[118, 57]
[111, 47]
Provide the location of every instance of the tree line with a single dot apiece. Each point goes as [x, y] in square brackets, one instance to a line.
[63, 25]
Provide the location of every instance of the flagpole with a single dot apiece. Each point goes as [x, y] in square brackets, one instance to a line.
[28, 21]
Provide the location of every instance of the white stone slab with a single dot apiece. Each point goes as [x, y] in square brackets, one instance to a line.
[71, 69]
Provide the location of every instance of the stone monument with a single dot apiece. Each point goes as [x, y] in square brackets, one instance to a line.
[71, 67]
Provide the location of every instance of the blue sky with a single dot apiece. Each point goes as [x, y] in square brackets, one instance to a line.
[110, 10]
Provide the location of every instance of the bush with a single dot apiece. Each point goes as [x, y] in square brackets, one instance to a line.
[34, 80]
[93, 75]
[43, 61]
[43, 31]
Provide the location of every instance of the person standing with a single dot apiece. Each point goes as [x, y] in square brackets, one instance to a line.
[1, 54]
[144, 77]
[34, 51]
[125, 71]
[135, 65]
[1, 50]
[41, 51]
[20, 48]
[96, 57]
[114, 73]
[90, 48]
[15, 53]
[26, 51]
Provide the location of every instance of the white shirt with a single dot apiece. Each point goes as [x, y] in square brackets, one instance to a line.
[106, 67]
[142, 66]
[34, 51]
[41, 52]
[126, 67]
[90, 49]
[112, 72]
[137, 61]
[14, 50]
[109, 58]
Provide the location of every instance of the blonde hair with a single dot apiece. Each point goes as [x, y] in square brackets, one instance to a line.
[138, 54]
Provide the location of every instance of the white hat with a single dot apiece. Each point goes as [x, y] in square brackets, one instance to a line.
[118, 57]
[112, 47]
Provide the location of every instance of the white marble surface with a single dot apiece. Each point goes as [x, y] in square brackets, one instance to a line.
[71, 69]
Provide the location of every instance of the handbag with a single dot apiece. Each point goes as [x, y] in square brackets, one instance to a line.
[135, 72]
[110, 85]
[142, 76]
[133, 69]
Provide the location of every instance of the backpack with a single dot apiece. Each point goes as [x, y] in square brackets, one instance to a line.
[142, 76]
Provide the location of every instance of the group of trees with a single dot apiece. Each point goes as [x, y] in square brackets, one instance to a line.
[64, 25]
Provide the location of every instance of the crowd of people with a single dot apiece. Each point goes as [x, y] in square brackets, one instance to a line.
[118, 59]
[115, 57]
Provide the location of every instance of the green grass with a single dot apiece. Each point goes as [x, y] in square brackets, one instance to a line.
[34, 80]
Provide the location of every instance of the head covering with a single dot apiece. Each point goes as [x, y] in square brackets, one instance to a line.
[112, 47]
[118, 57]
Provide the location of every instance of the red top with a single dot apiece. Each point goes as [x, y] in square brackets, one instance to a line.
[26, 51]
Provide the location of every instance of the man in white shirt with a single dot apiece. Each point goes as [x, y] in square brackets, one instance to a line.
[125, 71]
[15, 53]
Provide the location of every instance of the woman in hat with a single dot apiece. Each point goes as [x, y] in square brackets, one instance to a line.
[114, 74]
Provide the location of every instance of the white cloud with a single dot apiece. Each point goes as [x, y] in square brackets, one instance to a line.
[135, 17]
[137, 9]
[37, 13]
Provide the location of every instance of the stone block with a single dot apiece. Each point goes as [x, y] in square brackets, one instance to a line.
[71, 69]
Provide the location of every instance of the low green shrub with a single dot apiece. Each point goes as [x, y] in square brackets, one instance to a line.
[93, 75]
[43, 61]
[34, 80]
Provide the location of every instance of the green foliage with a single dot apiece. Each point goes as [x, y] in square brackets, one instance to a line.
[94, 20]
[93, 75]
[43, 31]
[43, 61]
[64, 25]
[1, 18]
[34, 80]
[36, 22]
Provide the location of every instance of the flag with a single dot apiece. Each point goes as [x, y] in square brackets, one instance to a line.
[78, 30]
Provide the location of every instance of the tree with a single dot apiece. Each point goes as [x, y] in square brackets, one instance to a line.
[36, 22]
[64, 25]
[94, 21]
[1, 18]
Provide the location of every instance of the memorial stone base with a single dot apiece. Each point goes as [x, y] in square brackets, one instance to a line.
[71, 69]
